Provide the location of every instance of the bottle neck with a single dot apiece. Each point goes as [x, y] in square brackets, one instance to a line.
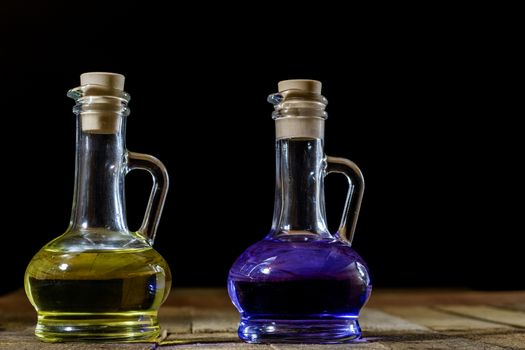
[100, 167]
[299, 193]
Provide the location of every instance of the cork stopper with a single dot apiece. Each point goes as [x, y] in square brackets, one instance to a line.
[306, 85]
[304, 124]
[105, 79]
[104, 119]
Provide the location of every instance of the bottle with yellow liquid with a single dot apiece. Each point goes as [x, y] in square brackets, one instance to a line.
[99, 281]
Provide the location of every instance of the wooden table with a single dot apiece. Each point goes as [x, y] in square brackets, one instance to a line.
[393, 319]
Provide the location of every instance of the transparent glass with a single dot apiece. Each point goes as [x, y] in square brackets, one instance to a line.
[99, 281]
[301, 283]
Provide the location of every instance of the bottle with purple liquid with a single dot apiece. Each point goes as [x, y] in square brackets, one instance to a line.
[302, 284]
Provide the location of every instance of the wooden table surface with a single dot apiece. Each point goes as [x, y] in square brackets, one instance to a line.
[393, 319]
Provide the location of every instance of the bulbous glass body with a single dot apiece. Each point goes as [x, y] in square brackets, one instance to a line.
[283, 288]
[97, 294]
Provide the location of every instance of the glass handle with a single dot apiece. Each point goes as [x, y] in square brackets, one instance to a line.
[356, 187]
[158, 191]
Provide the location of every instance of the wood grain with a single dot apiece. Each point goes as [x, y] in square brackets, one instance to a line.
[439, 320]
[394, 319]
[488, 313]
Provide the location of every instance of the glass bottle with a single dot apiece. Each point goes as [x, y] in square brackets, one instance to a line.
[301, 283]
[98, 281]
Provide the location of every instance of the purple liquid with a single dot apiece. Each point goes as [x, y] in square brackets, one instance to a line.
[312, 297]
[302, 290]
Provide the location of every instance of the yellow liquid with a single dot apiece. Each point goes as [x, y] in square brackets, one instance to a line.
[105, 295]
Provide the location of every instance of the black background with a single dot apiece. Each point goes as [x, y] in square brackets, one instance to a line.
[424, 101]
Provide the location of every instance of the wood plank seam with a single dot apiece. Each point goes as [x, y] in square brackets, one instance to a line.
[192, 316]
[480, 318]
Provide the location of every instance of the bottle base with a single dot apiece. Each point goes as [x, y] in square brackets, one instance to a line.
[101, 327]
[318, 331]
